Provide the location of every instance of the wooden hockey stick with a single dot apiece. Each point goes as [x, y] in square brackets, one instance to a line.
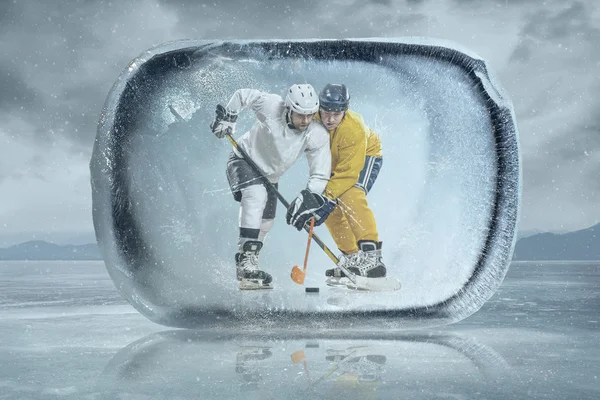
[386, 284]
[297, 357]
[280, 197]
[361, 283]
[269, 186]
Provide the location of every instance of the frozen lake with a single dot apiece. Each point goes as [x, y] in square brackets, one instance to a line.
[67, 333]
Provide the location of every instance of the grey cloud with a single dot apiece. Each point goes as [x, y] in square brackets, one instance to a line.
[499, 3]
[261, 14]
[582, 151]
[386, 3]
[523, 52]
[561, 186]
[554, 66]
[584, 141]
[6, 14]
[573, 29]
[312, 18]
[78, 57]
[274, 5]
[73, 45]
[62, 64]
[561, 173]
[15, 92]
[572, 21]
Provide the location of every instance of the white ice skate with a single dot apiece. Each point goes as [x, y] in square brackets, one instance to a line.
[248, 274]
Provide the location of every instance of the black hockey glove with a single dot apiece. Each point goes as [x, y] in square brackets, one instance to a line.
[306, 206]
[224, 123]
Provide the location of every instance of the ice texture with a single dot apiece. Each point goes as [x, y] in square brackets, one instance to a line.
[447, 200]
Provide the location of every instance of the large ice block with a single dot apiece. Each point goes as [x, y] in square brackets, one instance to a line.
[446, 201]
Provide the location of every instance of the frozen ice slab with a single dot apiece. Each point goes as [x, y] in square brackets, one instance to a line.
[446, 201]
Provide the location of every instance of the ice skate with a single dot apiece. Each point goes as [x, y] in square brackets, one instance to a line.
[367, 271]
[247, 365]
[248, 274]
[369, 263]
[335, 276]
[360, 360]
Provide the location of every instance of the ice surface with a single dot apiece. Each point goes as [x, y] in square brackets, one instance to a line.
[446, 202]
[294, 367]
[67, 332]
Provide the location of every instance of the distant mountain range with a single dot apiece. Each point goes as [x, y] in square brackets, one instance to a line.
[41, 250]
[583, 244]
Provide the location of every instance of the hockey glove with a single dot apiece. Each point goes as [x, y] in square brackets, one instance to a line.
[224, 123]
[323, 212]
[306, 206]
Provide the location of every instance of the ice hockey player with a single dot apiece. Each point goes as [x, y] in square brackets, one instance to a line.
[283, 132]
[356, 161]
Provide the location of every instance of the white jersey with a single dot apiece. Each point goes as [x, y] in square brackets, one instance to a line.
[275, 146]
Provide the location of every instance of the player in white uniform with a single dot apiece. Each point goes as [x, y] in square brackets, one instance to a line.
[284, 130]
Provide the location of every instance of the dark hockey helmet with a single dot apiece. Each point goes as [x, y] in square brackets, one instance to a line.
[334, 97]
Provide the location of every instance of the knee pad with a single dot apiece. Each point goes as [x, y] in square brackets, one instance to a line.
[254, 199]
[265, 227]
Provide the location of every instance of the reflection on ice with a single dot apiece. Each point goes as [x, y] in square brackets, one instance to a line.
[446, 201]
[234, 365]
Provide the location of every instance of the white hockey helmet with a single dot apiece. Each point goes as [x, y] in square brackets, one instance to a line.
[302, 99]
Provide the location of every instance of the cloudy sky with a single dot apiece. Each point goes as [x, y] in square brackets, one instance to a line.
[58, 61]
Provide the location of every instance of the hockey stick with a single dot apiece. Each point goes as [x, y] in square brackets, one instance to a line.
[297, 357]
[373, 284]
[385, 284]
[297, 274]
[280, 197]
[361, 283]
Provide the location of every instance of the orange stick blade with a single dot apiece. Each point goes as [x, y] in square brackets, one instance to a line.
[297, 274]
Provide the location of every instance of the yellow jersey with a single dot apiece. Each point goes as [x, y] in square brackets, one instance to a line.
[351, 142]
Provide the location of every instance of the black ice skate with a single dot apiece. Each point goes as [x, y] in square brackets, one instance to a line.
[337, 277]
[248, 274]
[370, 264]
[364, 270]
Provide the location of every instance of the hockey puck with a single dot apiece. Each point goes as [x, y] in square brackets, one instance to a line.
[312, 290]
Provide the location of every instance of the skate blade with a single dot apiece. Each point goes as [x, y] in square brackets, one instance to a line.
[387, 284]
[254, 284]
[337, 282]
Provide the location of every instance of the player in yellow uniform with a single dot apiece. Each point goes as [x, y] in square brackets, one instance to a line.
[356, 159]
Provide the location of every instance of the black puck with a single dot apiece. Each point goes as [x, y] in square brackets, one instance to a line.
[312, 290]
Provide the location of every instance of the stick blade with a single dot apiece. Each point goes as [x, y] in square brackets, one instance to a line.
[298, 275]
[298, 356]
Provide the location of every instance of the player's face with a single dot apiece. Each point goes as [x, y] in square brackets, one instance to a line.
[331, 119]
[301, 121]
